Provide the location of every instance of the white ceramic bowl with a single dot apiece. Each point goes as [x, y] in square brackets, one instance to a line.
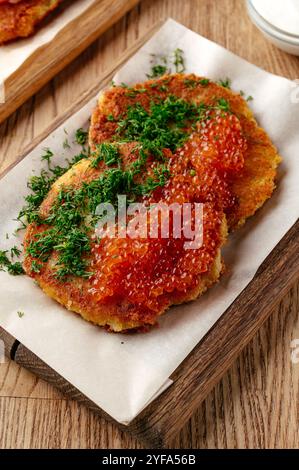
[283, 40]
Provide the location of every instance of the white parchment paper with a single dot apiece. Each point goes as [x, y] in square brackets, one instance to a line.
[13, 55]
[123, 373]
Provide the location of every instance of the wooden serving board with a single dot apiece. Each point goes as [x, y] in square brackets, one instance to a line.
[214, 354]
[49, 59]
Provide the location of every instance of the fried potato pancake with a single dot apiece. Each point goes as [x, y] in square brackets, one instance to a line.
[254, 184]
[224, 161]
[133, 281]
[20, 20]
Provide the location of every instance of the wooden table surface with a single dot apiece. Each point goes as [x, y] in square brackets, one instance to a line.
[256, 405]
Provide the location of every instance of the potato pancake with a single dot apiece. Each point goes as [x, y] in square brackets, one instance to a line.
[180, 140]
[253, 186]
[133, 280]
[19, 20]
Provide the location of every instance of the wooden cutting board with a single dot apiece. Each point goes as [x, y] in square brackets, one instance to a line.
[213, 355]
[48, 60]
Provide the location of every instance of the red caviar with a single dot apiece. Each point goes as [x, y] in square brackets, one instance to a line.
[151, 273]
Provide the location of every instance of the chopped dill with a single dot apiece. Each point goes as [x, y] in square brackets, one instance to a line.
[20, 314]
[164, 64]
[179, 61]
[161, 175]
[157, 71]
[160, 127]
[223, 105]
[36, 267]
[204, 81]
[133, 92]
[191, 83]
[163, 88]
[249, 98]
[226, 83]
[108, 153]
[14, 251]
[8, 265]
[15, 268]
[81, 136]
[66, 144]
[47, 156]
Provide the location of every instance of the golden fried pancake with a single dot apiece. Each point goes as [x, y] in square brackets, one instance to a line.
[19, 20]
[205, 139]
[253, 185]
[133, 281]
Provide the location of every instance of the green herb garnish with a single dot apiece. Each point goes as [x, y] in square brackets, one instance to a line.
[8, 265]
[47, 155]
[178, 61]
[223, 105]
[14, 251]
[226, 83]
[157, 71]
[81, 136]
[204, 82]
[191, 83]
[66, 144]
[108, 153]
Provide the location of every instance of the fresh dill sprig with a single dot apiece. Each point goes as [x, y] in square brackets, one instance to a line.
[66, 144]
[226, 83]
[157, 71]
[7, 265]
[165, 64]
[81, 136]
[15, 251]
[204, 81]
[163, 126]
[161, 175]
[106, 152]
[47, 156]
[191, 83]
[178, 60]
[223, 105]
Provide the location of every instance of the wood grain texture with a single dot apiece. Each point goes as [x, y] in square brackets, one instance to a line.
[256, 403]
[48, 60]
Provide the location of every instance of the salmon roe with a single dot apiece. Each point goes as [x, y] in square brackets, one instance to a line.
[152, 273]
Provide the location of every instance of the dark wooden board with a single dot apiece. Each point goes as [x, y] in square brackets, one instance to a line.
[211, 358]
[48, 60]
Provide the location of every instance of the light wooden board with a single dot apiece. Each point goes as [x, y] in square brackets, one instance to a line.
[48, 60]
[256, 404]
[203, 368]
